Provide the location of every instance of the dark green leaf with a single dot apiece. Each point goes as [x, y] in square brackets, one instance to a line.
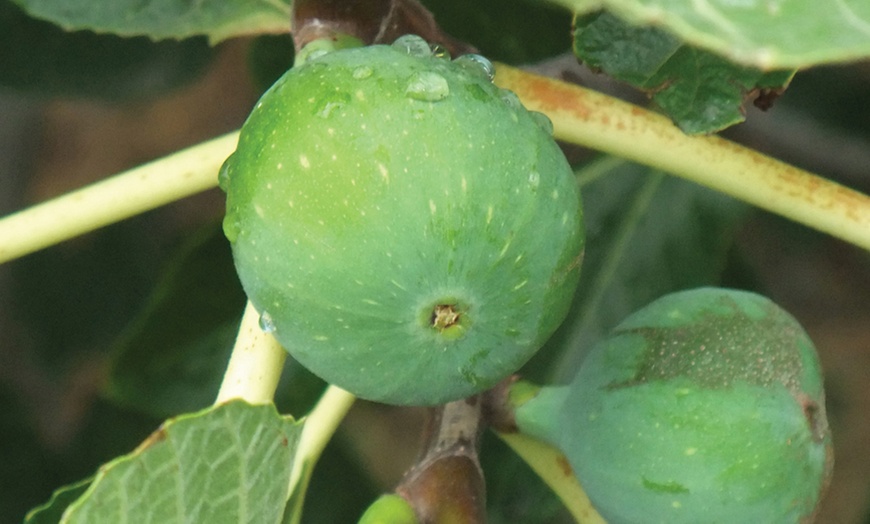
[172, 358]
[51, 511]
[511, 31]
[700, 91]
[39, 57]
[772, 34]
[270, 57]
[515, 493]
[159, 19]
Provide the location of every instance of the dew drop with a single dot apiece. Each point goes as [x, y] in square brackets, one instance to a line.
[413, 45]
[534, 180]
[362, 72]
[543, 121]
[231, 227]
[477, 65]
[224, 174]
[427, 86]
[439, 51]
[328, 108]
[510, 99]
[315, 54]
[266, 323]
[330, 104]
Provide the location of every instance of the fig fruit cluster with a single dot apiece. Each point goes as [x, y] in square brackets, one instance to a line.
[407, 230]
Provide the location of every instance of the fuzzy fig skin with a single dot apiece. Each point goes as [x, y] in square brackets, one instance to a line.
[705, 406]
[409, 231]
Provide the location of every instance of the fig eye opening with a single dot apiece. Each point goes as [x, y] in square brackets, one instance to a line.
[444, 316]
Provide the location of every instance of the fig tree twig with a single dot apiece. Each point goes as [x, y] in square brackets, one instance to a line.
[255, 364]
[591, 119]
[111, 200]
[446, 484]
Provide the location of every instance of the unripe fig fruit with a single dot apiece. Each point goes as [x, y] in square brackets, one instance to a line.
[407, 229]
[389, 509]
[705, 406]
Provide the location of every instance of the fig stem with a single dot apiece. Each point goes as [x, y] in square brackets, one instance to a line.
[255, 363]
[121, 196]
[446, 483]
[318, 427]
[539, 416]
[553, 468]
[591, 119]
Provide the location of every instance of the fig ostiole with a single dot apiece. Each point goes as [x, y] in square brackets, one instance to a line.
[411, 232]
[706, 405]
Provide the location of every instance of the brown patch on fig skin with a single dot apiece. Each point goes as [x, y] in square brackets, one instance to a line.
[716, 350]
[817, 419]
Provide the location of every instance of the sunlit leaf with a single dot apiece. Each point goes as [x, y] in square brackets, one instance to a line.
[229, 463]
[767, 34]
[159, 19]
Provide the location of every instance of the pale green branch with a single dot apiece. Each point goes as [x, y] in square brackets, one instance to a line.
[255, 364]
[591, 119]
[318, 428]
[553, 468]
[124, 195]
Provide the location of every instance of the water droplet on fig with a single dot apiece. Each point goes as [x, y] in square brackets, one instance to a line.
[439, 51]
[231, 227]
[266, 323]
[543, 121]
[362, 72]
[510, 99]
[328, 108]
[427, 86]
[534, 180]
[330, 104]
[477, 65]
[315, 54]
[413, 45]
[224, 175]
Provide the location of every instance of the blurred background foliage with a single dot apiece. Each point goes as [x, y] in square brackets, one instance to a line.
[104, 336]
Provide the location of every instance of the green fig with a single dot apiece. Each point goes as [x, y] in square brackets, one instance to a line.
[389, 509]
[704, 406]
[407, 230]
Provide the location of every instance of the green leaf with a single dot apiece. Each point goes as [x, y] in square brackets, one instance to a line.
[172, 358]
[159, 19]
[52, 511]
[269, 57]
[39, 57]
[648, 234]
[229, 463]
[702, 92]
[775, 34]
